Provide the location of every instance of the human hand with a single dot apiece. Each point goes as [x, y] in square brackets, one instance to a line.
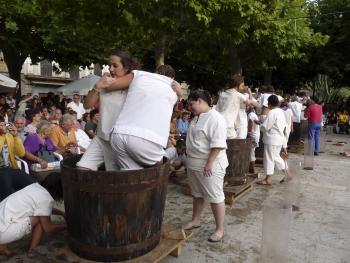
[208, 169]
[43, 164]
[284, 153]
[177, 89]
[12, 129]
[103, 82]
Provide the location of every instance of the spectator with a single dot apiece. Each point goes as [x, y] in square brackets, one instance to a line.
[83, 139]
[11, 101]
[45, 114]
[34, 118]
[182, 123]
[288, 114]
[296, 108]
[176, 155]
[21, 129]
[77, 106]
[91, 126]
[39, 142]
[63, 135]
[343, 120]
[313, 113]
[57, 116]
[22, 105]
[85, 119]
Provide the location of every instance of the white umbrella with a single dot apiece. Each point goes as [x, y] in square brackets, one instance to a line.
[80, 86]
[7, 84]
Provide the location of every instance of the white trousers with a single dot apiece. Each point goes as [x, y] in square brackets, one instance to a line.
[133, 152]
[16, 230]
[272, 157]
[99, 152]
[252, 154]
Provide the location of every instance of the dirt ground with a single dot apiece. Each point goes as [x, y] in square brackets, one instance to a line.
[318, 232]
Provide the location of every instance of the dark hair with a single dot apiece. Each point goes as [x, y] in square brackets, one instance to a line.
[93, 113]
[200, 94]
[53, 184]
[273, 100]
[180, 143]
[262, 89]
[270, 89]
[126, 59]
[185, 113]
[33, 112]
[166, 70]
[236, 80]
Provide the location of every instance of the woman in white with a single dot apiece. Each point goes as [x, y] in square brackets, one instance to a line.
[28, 211]
[274, 139]
[229, 104]
[206, 161]
[110, 105]
[141, 131]
[254, 131]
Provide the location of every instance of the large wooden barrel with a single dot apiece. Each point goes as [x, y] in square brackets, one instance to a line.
[238, 155]
[304, 125]
[113, 216]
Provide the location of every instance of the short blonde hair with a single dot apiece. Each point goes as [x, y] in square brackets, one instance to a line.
[42, 126]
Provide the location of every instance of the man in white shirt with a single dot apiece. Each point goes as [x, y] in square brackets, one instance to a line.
[274, 138]
[77, 106]
[296, 108]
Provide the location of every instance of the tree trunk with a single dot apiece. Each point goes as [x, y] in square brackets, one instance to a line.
[160, 49]
[14, 61]
[268, 77]
[234, 60]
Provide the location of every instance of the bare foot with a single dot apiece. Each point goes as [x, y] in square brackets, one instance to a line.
[31, 253]
[5, 251]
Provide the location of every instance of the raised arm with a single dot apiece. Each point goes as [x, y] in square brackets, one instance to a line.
[113, 83]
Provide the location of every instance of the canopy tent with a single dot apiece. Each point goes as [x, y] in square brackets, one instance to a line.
[80, 86]
[7, 84]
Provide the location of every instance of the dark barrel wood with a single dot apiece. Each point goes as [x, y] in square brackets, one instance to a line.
[113, 216]
[304, 125]
[238, 155]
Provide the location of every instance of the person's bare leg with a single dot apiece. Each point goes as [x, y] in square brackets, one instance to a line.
[36, 237]
[50, 227]
[219, 215]
[198, 206]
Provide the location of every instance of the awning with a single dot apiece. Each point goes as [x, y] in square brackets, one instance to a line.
[7, 84]
[80, 86]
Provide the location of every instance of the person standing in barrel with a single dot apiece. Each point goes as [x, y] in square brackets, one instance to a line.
[141, 131]
[110, 104]
[206, 161]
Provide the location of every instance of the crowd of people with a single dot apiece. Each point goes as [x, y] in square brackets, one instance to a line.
[132, 119]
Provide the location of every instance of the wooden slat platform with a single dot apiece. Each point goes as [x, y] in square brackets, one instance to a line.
[232, 193]
[171, 242]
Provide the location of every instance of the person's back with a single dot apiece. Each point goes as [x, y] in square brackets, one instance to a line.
[273, 127]
[313, 113]
[148, 108]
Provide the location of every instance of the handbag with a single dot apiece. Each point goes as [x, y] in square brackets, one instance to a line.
[46, 155]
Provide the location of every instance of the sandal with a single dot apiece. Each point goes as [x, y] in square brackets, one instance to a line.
[215, 238]
[263, 182]
[191, 226]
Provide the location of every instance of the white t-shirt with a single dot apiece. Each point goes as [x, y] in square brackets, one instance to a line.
[79, 109]
[83, 139]
[111, 104]
[255, 127]
[33, 200]
[228, 105]
[296, 108]
[263, 99]
[273, 127]
[172, 155]
[205, 132]
[148, 108]
[288, 115]
[242, 118]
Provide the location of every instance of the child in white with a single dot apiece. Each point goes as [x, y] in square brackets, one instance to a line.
[242, 120]
[274, 139]
[288, 114]
[255, 135]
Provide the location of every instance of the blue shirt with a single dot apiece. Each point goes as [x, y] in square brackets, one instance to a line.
[182, 126]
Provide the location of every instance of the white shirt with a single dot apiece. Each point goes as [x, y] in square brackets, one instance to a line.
[148, 108]
[242, 117]
[255, 127]
[296, 108]
[205, 132]
[79, 109]
[264, 97]
[33, 200]
[288, 114]
[111, 104]
[83, 139]
[273, 127]
[228, 105]
[171, 154]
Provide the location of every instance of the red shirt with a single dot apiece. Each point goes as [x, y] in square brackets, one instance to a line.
[314, 113]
